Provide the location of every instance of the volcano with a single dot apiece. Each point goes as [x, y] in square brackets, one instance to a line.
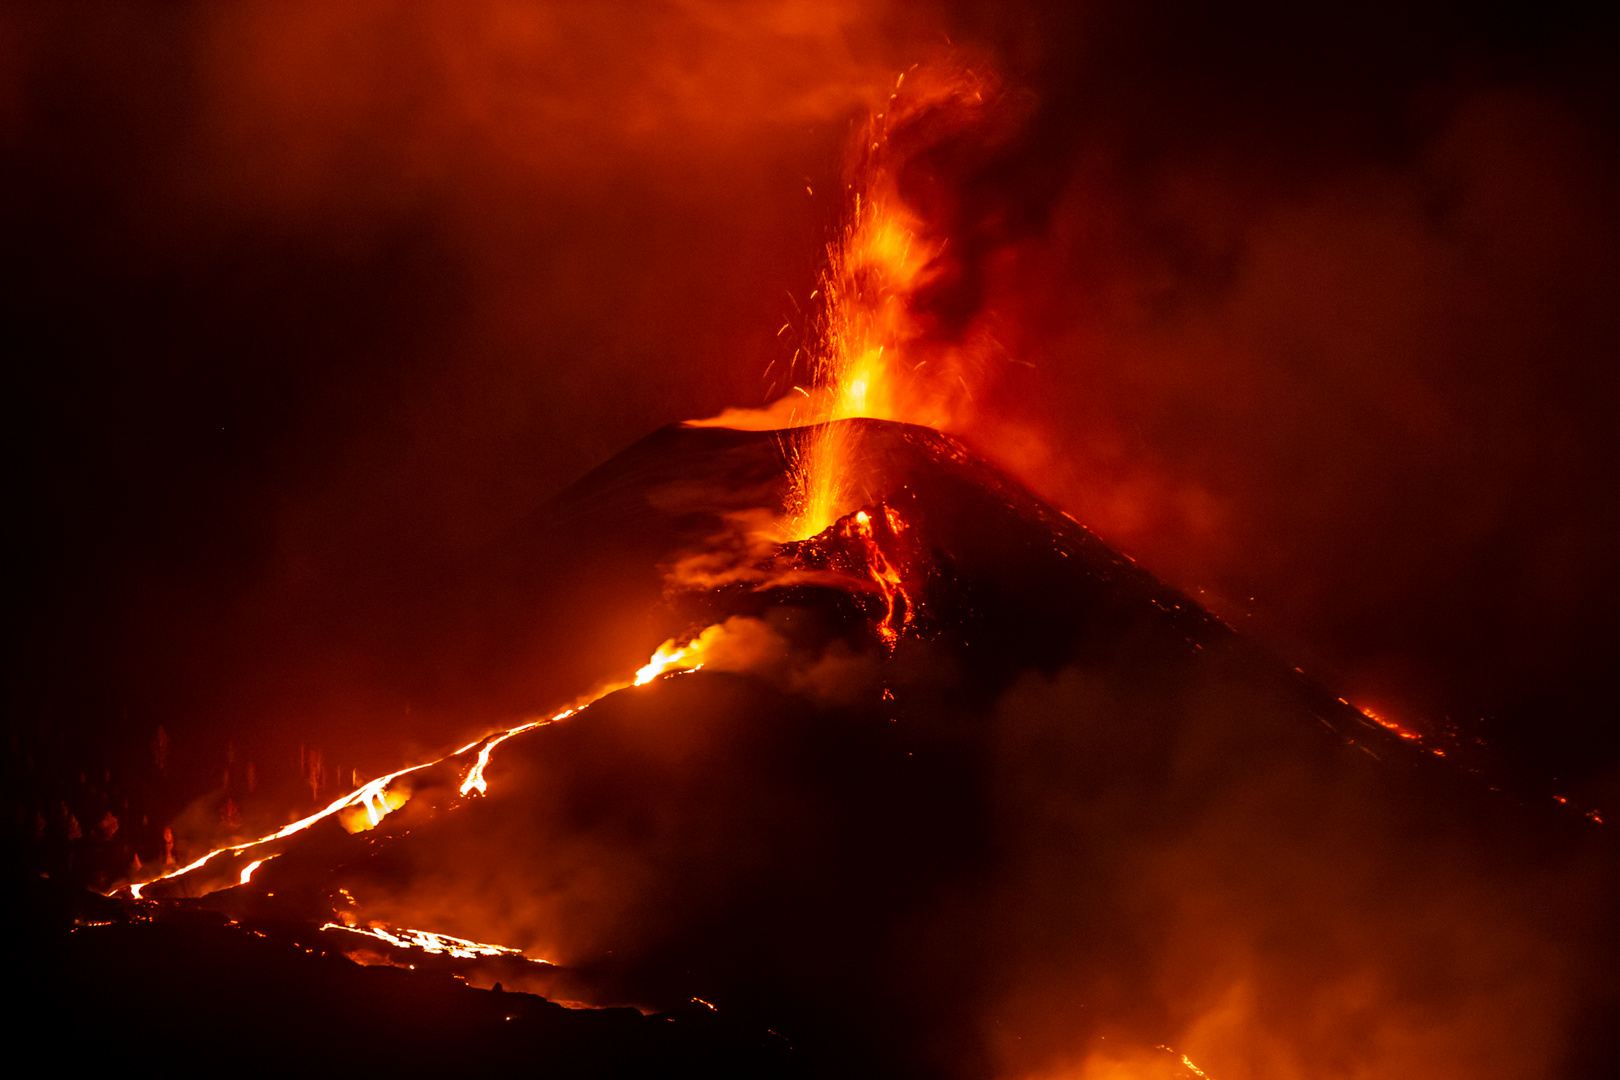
[948, 789]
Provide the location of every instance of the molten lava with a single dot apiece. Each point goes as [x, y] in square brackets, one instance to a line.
[427, 941]
[365, 807]
[370, 799]
[874, 549]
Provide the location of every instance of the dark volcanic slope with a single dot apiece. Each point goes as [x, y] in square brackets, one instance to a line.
[1010, 576]
[1067, 821]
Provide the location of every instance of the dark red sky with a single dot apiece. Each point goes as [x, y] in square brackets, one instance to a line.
[1313, 309]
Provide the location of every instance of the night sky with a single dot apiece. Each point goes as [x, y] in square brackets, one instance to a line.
[1312, 309]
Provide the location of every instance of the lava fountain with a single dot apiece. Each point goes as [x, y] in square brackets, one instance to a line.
[873, 348]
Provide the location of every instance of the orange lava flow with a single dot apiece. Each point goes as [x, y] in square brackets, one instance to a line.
[474, 780]
[1387, 724]
[366, 795]
[374, 800]
[898, 605]
[428, 941]
[1195, 1070]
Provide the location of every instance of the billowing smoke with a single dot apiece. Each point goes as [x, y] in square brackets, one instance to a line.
[1312, 314]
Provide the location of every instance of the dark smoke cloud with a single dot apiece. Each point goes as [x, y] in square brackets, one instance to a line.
[1319, 307]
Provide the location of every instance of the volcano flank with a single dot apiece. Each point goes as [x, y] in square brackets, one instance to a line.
[950, 789]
